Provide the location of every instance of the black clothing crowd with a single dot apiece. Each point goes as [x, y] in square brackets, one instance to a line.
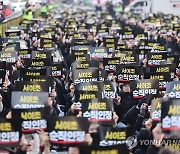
[60, 35]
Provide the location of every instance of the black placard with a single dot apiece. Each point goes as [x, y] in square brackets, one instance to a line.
[144, 87]
[80, 48]
[37, 62]
[97, 110]
[84, 64]
[25, 100]
[12, 47]
[85, 75]
[8, 56]
[32, 119]
[67, 130]
[113, 136]
[170, 118]
[98, 52]
[173, 89]
[127, 35]
[163, 78]
[10, 132]
[56, 69]
[40, 55]
[126, 73]
[110, 64]
[156, 58]
[13, 33]
[32, 86]
[85, 57]
[34, 72]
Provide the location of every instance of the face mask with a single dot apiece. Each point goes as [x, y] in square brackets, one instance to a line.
[94, 135]
[109, 78]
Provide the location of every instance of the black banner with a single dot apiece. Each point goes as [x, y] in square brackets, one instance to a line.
[110, 64]
[31, 86]
[156, 58]
[10, 132]
[40, 55]
[25, 100]
[67, 130]
[37, 62]
[34, 72]
[173, 89]
[85, 75]
[144, 87]
[56, 69]
[163, 78]
[85, 64]
[170, 118]
[25, 53]
[32, 119]
[110, 136]
[98, 52]
[97, 110]
[8, 56]
[13, 33]
[126, 73]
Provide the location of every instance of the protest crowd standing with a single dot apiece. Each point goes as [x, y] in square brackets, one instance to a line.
[90, 79]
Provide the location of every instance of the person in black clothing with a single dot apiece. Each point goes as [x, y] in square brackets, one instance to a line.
[126, 103]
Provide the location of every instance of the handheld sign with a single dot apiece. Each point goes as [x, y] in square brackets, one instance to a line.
[163, 78]
[67, 130]
[16, 33]
[156, 58]
[12, 47]
[10, 132]
[33, 72]
[32, 119]
[8, 56]
[85, 75]
[173, 89]
[113, 136]
[30, 86]
[110, 64]
[25, 53]
[26, 100]
[126, 73]
[170, 118]
[85, 64]
[144, 87]
[97, 110]
[88, 90]
[37, 63]
[56, 69]
[49, 79]
[155, 112]
[98, 52]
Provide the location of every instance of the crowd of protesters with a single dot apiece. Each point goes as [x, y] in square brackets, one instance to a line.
[80, 25]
